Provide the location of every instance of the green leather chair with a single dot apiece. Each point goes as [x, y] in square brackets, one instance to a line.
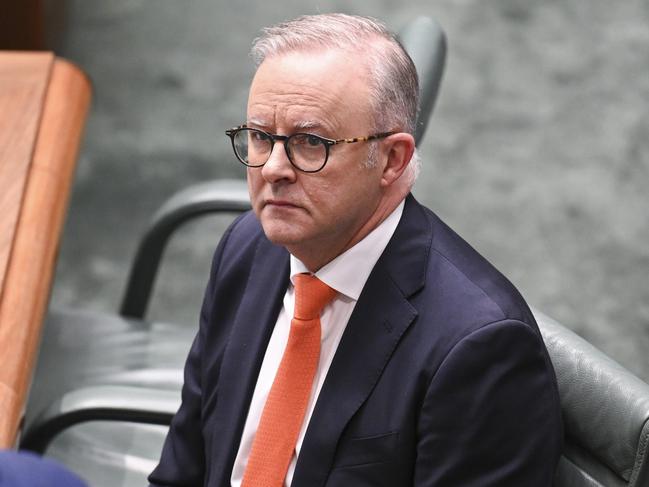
[605, 411]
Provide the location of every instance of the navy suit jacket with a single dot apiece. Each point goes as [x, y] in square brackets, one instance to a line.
[441, 377]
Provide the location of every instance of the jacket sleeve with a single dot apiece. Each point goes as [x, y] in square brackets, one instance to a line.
[491, 414]
[182, 462]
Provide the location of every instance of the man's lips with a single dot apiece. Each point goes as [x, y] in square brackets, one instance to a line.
[280, 204]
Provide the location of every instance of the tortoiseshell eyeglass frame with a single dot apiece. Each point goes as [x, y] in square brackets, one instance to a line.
[327, 143]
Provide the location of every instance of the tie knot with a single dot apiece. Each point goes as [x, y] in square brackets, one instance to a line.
[311, 295]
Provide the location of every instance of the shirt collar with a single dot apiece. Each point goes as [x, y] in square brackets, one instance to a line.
[348, 272]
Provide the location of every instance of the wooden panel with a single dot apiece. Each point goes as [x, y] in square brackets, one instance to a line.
[23, 80]
[31, 265]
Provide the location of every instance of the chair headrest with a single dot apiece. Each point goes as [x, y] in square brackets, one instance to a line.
[425, 43]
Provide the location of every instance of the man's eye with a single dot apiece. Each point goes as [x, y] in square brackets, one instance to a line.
[306, 140]
[313, 140]
[259, 136]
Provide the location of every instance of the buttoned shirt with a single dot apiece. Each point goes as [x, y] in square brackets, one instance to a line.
[347, 274]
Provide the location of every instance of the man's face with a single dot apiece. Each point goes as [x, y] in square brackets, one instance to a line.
[326, 94]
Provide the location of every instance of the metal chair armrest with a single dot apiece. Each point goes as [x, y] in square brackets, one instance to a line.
[101, 403]
[217, 196]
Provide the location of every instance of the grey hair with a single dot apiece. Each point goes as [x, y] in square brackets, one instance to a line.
[394, 85]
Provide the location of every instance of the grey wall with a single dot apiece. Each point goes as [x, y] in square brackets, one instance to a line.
[538, 153]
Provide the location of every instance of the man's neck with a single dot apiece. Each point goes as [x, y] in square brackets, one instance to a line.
[316, 256]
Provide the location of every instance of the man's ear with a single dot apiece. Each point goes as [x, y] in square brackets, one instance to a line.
[399, 149]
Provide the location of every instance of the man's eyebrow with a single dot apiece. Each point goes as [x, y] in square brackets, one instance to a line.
[257, 122]
[300, 125]
[309, 125]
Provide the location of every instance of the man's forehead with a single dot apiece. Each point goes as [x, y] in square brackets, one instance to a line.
[303, 91]
[295, 121]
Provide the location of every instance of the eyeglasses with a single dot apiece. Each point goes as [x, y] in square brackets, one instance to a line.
[306, 152]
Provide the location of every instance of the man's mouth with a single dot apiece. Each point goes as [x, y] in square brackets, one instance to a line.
[280, 203]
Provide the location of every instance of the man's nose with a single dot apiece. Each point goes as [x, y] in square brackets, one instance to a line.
[278, 166]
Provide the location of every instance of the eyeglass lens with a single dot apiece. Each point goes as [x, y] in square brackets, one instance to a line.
[253, 147]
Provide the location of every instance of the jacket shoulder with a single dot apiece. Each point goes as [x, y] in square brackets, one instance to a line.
[477, 271]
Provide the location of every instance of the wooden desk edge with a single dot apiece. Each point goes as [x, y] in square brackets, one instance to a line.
[30, 271]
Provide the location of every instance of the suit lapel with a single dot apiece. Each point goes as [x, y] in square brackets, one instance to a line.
[381, 316]
[245, 350]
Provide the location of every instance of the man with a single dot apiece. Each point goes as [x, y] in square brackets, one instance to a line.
[427, 368]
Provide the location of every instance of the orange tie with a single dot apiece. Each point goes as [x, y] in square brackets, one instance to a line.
[281, 420]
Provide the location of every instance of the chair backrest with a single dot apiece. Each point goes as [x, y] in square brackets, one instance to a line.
[605, 412]
[425, 42]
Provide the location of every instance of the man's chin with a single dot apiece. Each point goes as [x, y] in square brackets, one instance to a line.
[282, 234]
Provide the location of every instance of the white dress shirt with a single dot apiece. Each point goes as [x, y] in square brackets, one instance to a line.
[347, 274]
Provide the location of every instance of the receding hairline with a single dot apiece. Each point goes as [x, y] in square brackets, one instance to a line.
[324, 31]
[318, 49]
[372, 45]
